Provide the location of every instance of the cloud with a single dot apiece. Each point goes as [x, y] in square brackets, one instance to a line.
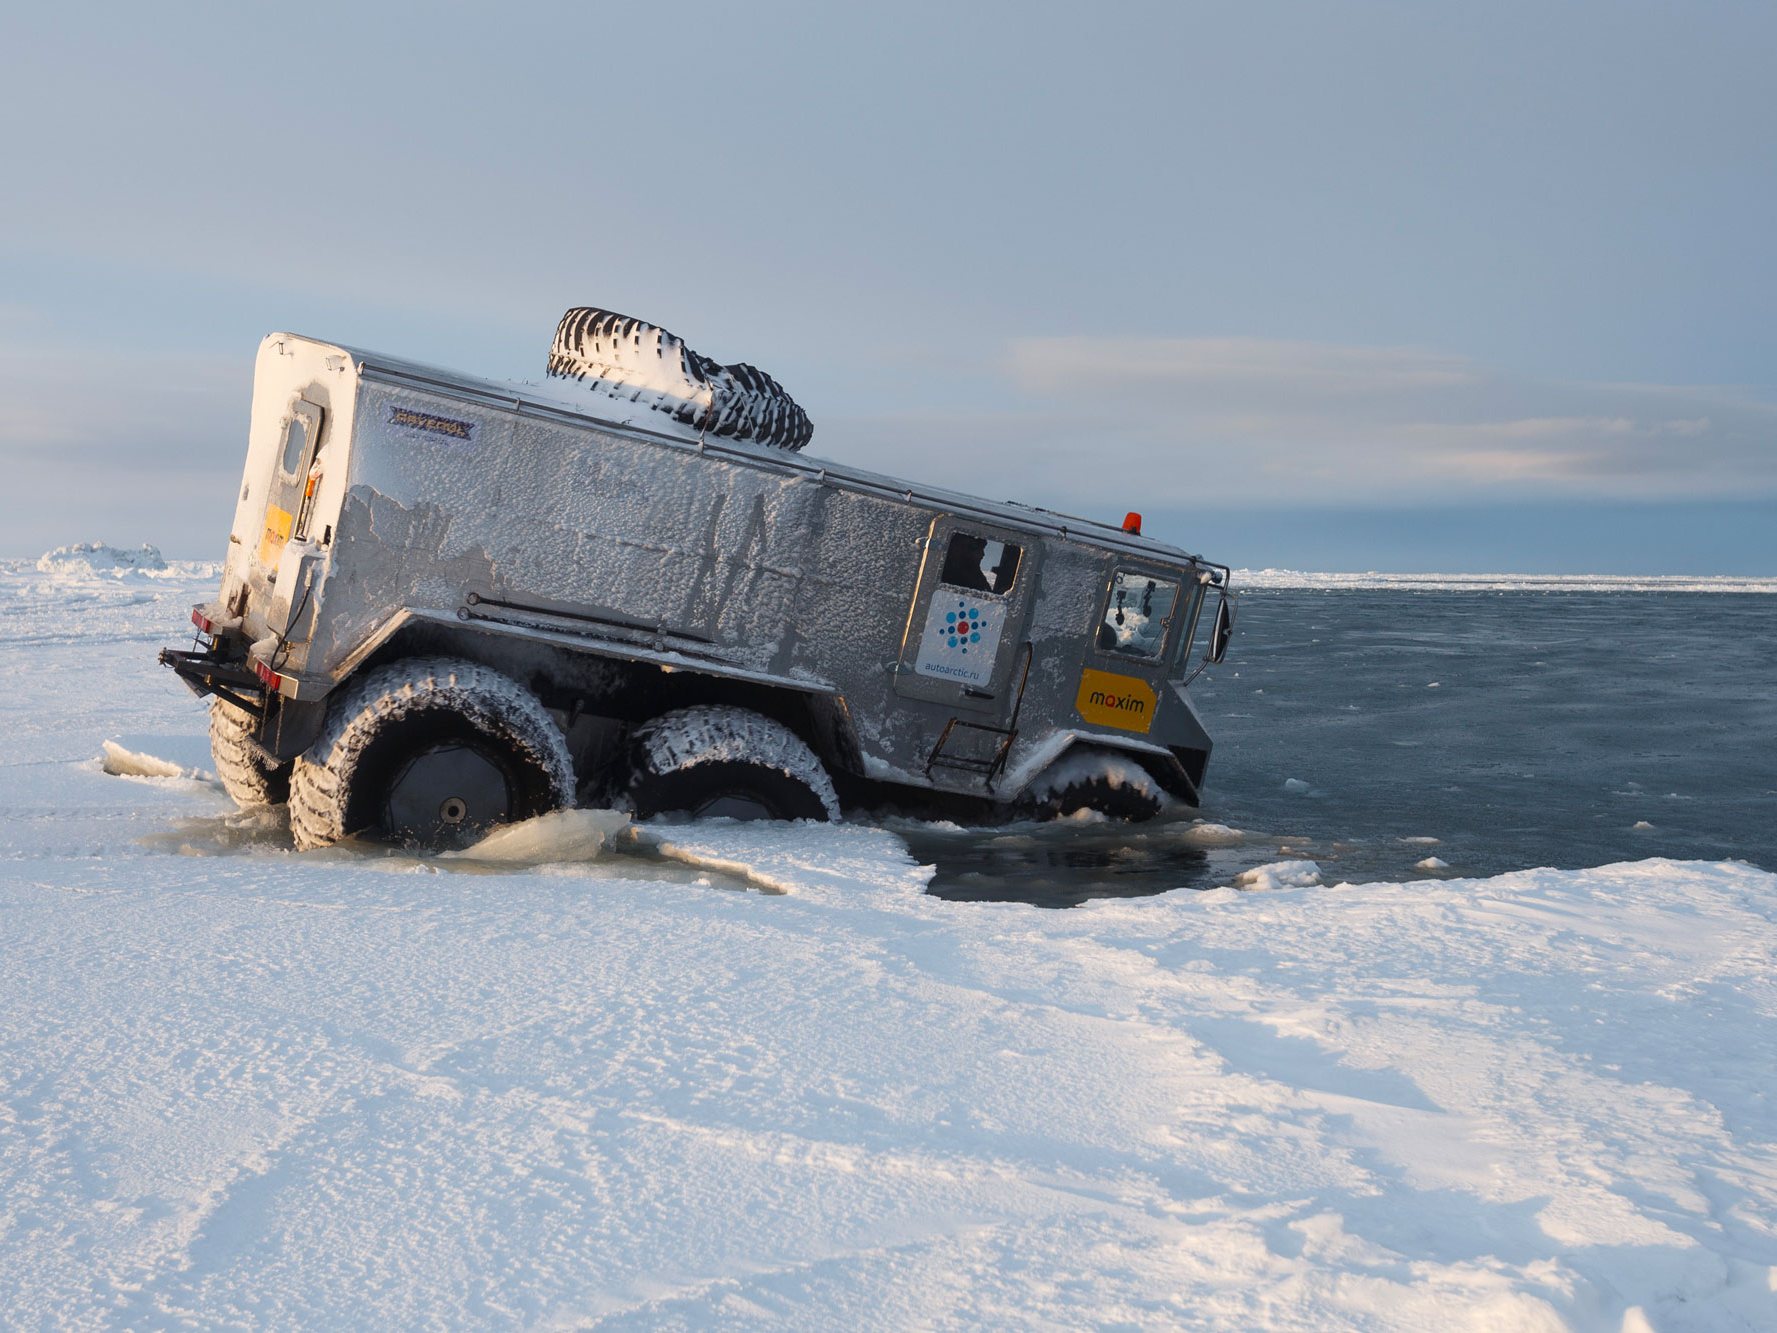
[1102, 422]
[1049, 365]
[1497, 465]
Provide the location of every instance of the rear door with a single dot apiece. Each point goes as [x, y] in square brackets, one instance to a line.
[290, 488]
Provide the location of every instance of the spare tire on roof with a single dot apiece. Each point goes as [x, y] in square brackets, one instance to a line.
[632, 361]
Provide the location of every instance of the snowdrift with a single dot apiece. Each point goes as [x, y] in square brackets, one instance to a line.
[97, 558]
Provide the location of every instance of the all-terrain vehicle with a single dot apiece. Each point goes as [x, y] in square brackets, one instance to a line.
[450, 602]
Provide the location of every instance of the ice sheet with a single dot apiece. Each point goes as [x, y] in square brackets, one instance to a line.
[1298, 578]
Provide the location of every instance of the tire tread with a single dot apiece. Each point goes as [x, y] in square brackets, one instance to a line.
[320, 783]
[250, 780]
[709, 734]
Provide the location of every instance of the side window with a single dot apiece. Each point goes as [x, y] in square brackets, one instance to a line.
[299, 433]
[980, 564]
[1137, 615]
[1195, 594]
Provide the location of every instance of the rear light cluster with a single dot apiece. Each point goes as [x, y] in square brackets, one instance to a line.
[269, 678]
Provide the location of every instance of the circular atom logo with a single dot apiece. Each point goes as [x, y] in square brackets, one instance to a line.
[962, 626]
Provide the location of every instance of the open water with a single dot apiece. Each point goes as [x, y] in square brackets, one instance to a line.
[1370, 729]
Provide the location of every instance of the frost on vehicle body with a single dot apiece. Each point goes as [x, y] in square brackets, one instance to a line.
[926, 646]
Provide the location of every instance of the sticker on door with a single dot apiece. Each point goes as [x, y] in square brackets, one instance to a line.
[961, 641]
[1107, 699]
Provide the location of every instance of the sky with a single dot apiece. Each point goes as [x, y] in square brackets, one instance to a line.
[1402, 286]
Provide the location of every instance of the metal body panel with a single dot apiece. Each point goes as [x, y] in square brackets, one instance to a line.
[447, 501]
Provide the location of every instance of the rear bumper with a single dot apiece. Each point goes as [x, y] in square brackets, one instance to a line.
[213, 672]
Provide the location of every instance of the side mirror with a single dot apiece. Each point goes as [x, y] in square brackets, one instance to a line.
[1223, 631]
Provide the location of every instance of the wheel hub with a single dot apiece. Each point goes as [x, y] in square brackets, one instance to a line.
[447, 793]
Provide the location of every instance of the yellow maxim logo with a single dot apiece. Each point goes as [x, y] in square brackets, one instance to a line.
[1109, 700]
[277, 532]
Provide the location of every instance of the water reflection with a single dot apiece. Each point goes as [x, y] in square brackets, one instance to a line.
[1066, 863]
[1397, 737]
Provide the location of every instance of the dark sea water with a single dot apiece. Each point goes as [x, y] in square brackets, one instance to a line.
[1518, 729]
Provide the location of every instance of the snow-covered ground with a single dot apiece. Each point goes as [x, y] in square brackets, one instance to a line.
[742, 1076]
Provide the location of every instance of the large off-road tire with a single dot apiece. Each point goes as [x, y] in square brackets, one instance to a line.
[1108, 784]
[639, 364]
[429, 752]
[714, 760]
[251, 780]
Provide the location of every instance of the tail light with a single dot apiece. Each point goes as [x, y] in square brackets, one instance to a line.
[270, 678]
[204, 624]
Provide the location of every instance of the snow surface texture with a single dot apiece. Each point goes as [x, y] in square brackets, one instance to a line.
[631, 361]
[241, 1085]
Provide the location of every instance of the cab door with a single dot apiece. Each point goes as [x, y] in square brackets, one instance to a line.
[964, 647]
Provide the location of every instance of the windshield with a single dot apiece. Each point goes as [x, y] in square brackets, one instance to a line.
[1137, 615]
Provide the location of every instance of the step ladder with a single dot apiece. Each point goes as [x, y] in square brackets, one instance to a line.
[988, 768]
